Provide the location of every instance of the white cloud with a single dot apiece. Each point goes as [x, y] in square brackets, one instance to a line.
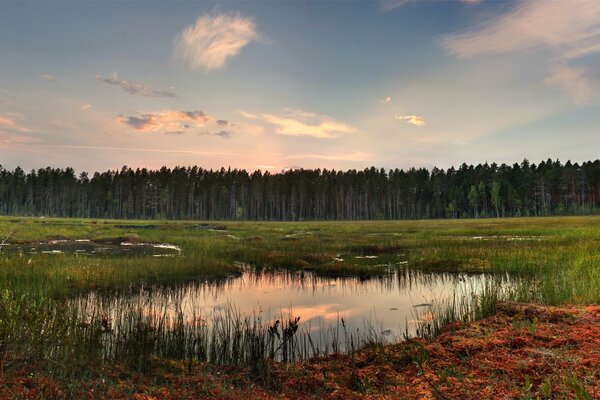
[302, 123]
[569, 28]
[86, 106]
[411, 119]
[574, 81]
[213, 39]
[386, 100]
[559, 30]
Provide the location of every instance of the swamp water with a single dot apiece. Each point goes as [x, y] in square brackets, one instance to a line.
[232, 320]
[85, 247]
[265, 314]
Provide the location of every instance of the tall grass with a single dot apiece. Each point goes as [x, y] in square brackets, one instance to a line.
[70, 339]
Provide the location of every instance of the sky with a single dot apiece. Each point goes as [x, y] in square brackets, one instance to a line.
[272, 85]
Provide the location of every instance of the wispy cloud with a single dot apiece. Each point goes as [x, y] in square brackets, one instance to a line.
[411, 119]
[223, 134]
[221, 122]
[213, 39]
[48, 78]
[135, 88]
[145, 150]
[569, 28]
[167, 121]
[563, 30]
[13, 131]
[355, 156]
[10, 122]
[86, 106]
[302, 123]
[389, 5]
[386, 100]
[574, 81]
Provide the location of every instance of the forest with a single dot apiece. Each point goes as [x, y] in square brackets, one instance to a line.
[484, 190]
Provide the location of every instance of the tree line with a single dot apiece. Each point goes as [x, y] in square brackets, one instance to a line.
[484, 190]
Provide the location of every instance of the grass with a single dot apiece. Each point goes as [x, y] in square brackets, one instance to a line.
[562, 250]
[552, 261]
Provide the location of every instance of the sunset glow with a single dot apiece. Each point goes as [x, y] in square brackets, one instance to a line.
[279, 85]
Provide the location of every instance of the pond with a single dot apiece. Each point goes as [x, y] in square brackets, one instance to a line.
[330, 310]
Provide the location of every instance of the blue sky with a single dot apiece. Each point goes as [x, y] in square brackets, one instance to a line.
[275, 85]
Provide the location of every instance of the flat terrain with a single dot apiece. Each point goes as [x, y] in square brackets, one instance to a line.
[564, 248]
[514, 350]
[521, 352]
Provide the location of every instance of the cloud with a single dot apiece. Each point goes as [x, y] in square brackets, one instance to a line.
[574, 81]
[568, 28]
[411, 119]
[302, 123]
[130, 149]
[10, 122]
[389, 5]
[135, 88]
[563, 30]
[13, 131]
[386, 100]
[247, 129]
[48, 77]
[356, 156]
[213, 39]
[223, 134]
[86, 106]
[221, 122]
[170, 121]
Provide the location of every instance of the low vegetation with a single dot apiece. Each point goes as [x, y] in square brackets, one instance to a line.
[46, 342]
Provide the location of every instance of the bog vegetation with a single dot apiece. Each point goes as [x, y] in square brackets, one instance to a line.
[551, 260]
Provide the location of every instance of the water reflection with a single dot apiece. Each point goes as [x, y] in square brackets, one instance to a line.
[393, 304]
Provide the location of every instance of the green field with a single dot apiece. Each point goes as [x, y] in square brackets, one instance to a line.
[553, 261]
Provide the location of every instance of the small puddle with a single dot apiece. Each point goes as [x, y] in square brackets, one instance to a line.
[86, 247]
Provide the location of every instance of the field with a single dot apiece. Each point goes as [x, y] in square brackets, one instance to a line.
[48, 349]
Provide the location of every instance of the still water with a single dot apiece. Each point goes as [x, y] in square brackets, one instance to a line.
[390, 306]
[86, 247]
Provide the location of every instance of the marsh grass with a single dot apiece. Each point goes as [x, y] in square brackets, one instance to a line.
[71, 340]
[551, 261]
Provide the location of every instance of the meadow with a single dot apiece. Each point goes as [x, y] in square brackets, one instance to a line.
[551, 261]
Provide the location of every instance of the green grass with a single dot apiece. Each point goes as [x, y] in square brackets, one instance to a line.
[551, 260]
[562, 254]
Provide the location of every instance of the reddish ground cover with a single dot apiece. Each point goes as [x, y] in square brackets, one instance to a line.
[524, 351]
